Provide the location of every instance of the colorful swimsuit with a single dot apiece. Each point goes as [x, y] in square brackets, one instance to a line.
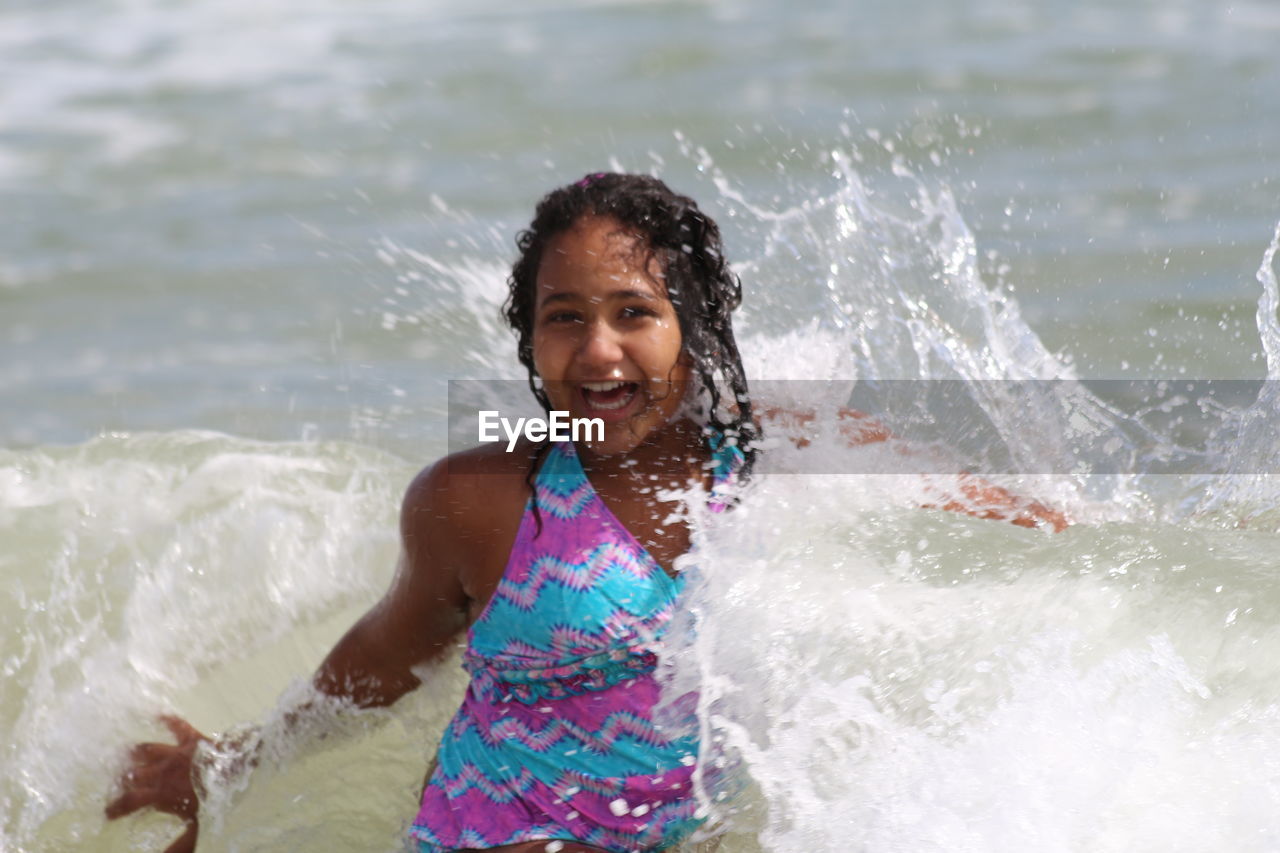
[555, 738]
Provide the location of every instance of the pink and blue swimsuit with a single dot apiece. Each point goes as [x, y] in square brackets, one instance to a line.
[555, 738]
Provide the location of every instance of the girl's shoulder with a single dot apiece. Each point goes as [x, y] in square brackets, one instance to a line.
[457, 521]
[470, 487]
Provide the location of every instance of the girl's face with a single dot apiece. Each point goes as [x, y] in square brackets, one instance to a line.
[606, 339]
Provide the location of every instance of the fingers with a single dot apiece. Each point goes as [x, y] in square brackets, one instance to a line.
[149, 764]
[186, 842]
[142, 754]
[182, 730]
[1050, 517]
[1056, 519]
[1041, 516]
[158, 775]
[129, 802]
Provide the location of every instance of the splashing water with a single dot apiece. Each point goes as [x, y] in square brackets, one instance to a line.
[896, 680]
[1248, 438]
[187, 571]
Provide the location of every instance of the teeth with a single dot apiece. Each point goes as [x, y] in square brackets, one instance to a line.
[604, 387]
[617, 404]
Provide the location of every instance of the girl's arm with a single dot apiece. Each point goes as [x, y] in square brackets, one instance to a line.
[977, 497]
[983, 499]
[371, 666]
[425, 608]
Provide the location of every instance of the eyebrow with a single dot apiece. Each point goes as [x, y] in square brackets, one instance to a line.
[615, 296]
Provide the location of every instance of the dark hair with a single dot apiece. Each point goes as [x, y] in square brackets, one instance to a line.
[699, 283]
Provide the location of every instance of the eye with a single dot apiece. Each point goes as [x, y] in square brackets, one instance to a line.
[559, 317]
[632, 312]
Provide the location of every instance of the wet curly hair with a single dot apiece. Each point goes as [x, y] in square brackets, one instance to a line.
[699, 284]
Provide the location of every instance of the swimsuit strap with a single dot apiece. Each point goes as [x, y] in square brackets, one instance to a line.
[728, 459]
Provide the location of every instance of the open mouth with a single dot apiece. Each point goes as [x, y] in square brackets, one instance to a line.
[609, 396]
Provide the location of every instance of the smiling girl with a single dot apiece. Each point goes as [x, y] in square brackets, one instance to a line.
[555, 560]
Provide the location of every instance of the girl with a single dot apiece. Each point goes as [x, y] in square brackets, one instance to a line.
[554, 558]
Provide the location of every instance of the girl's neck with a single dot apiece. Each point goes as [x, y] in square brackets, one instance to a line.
[672, 453]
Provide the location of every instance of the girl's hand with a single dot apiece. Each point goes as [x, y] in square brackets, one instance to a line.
[987, 500]
[1036, 514]
[159, 776]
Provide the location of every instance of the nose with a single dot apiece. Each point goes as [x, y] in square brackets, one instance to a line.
[601, 347]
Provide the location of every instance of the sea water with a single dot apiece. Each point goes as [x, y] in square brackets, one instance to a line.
[246, 245]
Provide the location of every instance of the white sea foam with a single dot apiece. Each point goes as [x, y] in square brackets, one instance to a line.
[138, 565]
[892, 680]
